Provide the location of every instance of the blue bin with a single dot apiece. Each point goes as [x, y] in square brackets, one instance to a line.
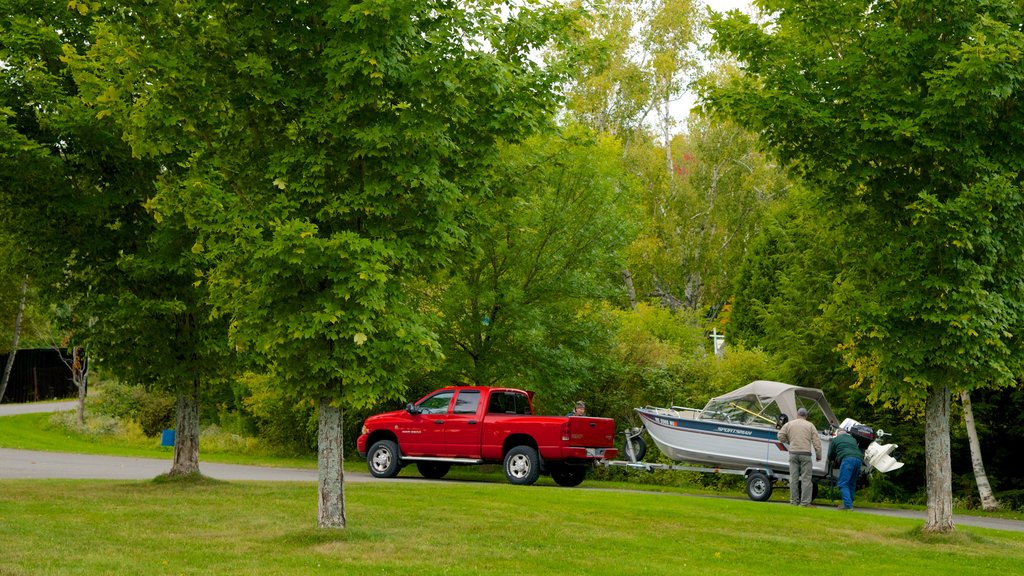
[167, 438]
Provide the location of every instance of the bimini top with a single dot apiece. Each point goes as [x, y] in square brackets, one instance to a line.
[762, 401]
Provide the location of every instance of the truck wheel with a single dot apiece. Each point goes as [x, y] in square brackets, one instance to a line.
[433, 470]
[383, 460]
[522, 465]
[759, 486]
[568, 476]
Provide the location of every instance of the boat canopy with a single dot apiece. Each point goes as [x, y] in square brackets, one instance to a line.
[762, 401]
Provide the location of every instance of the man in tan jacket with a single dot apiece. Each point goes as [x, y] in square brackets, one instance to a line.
[801, 436]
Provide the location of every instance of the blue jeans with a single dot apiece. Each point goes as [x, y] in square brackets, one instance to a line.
[849, 472]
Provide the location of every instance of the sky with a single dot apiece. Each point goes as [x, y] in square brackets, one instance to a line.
[723, 5]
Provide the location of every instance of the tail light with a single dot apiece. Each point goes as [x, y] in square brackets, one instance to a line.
[565, 431]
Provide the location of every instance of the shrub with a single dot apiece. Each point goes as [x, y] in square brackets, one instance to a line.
[153, 410]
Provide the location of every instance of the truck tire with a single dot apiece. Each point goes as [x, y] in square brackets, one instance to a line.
[522, 465]
[433, 470]
[759, 486]
[568, 476]
[383, 460]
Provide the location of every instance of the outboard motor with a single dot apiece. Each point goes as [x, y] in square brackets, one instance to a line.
[864, 435]
[876, 455]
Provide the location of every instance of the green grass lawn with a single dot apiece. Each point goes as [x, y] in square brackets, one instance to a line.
[161, 528]
[486, 527]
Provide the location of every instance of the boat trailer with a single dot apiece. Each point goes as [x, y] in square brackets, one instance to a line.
[759, 480]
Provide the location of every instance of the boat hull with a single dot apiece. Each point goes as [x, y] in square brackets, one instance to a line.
[721, 444]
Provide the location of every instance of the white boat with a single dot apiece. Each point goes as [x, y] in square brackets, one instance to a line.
[739, 430]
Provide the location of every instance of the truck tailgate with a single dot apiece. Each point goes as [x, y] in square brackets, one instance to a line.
[591, 432]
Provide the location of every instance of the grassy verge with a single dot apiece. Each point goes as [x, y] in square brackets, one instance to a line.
[91, 528]
[38, 432]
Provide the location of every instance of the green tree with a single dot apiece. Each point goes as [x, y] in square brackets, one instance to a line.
[700, 220]
[324, 152]
[786, 275]
[904, 116]
[632, 63]
[540, 256]
[120, 283]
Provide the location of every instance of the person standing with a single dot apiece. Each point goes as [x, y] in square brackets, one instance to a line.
[844, 451]
[580, 409]
[801, 437]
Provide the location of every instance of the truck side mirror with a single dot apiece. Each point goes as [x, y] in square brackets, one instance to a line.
[413, 409]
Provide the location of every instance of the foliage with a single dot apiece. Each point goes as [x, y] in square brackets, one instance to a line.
[786, 275]
[280, 420]
[631, 59]
[699, 219]
[912, 163]
[518, 306]
[663, 358]
[877, 106]
[121, 282]
[320, 211]
[153, 410]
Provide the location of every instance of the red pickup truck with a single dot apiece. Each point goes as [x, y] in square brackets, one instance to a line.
[464, 425]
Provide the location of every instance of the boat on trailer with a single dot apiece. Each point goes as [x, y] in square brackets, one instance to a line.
[737, 433]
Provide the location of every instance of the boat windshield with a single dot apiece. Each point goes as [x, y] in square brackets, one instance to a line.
[745, 410]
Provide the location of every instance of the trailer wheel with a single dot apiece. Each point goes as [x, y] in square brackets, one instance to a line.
[567, 475]
[433, 470]
[383, 460]
[522, 465]
[759, 486]
[639, 448]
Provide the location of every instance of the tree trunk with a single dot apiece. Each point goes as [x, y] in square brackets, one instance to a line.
[330, 460]
[938, 471]
[627, 277]
[80, 375]
[17, 337]
[186, 432]
[988, 499]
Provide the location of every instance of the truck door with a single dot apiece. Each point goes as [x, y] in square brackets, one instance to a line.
[462, 429]
[423, 434]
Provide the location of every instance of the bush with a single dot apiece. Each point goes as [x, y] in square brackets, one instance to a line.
[152, 410]
[156, 413]
[285, 423]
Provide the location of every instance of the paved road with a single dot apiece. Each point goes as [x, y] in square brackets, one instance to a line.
[32, 464]
[12, 409]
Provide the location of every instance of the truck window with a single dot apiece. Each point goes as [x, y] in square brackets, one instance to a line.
[466, 402]
[438, 403]
[508, 403]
